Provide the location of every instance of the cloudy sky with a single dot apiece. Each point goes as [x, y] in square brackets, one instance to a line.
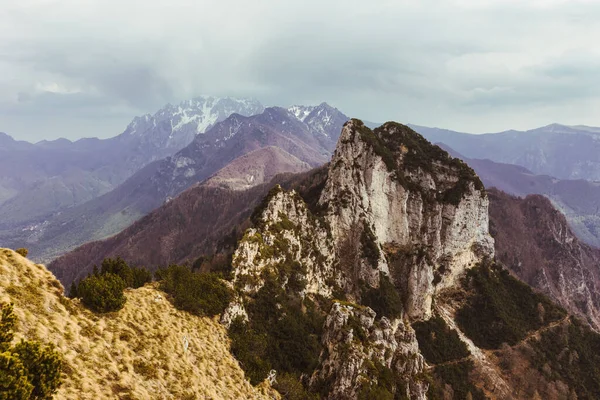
[74, 68]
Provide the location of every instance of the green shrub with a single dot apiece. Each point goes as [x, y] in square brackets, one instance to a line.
[503, 309]
[28, 370]
[102, 293]
[43, 365]
[22, 251]
[572, 355]
[141, 276]
[385, 382]
[14, 383]
[198, 293]
[384, 300]
[369, 247]
[290, 388]
[7, 325]
[250, 349]
[130, 276]
[287, 331]
[438, 343]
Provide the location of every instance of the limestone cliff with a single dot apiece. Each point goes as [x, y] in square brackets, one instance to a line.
[423, 214]
[396, 217]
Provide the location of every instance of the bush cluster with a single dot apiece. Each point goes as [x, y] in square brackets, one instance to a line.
[384, 300]
[29, 369]
[571, 355]
[283, 333]
[22, 251]
[369, 247]
[102, 291]
[198, 293]
[453, 381]
[439, 343]
[503, 309]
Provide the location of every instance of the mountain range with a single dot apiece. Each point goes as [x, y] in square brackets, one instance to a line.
[577, 199]
[564, 152]
[310, 138]
[39, 180]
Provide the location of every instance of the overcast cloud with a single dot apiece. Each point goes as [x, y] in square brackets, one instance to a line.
[75, 68]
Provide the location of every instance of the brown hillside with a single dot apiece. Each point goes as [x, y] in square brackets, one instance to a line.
[534, 241]
[135, 353]
[257, 167]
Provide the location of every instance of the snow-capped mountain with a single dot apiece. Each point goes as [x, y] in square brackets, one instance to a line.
[175, 126]
[322, 119]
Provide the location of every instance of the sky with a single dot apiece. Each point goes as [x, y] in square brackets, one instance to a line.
[81, 68]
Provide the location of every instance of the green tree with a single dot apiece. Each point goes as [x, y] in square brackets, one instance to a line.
[119, 267]
[73, 292]
[102, 293]
[198, 293]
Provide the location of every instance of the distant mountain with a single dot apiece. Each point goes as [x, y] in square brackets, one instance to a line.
[577, 199]
[39, 180]
[557, 150]
[533, 240]
[160, 181]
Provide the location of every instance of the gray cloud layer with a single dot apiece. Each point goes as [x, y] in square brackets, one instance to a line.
[78, 68]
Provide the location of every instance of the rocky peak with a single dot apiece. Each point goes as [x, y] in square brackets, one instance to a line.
[399, 205]
[396, 221]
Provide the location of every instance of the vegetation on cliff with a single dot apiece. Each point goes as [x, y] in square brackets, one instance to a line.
[502, 309]
[404, 151]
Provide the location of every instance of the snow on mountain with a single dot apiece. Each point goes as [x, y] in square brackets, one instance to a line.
[301, 112]
[177, 125]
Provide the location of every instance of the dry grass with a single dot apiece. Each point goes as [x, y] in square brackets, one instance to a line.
[135, 353]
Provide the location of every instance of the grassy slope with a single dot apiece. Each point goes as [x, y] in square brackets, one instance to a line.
[135, 353]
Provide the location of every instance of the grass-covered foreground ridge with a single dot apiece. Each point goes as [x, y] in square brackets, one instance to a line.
[148, 349]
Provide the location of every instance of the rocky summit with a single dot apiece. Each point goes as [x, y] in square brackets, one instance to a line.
[395, 214]
[382, 284]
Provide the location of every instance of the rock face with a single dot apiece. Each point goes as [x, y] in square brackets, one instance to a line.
[287, 236]
[355, 341]
[406, 195]
[393, 208]
[534, 241]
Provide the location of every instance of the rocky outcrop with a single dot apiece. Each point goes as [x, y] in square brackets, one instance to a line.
[359, 350]
[288, 239]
